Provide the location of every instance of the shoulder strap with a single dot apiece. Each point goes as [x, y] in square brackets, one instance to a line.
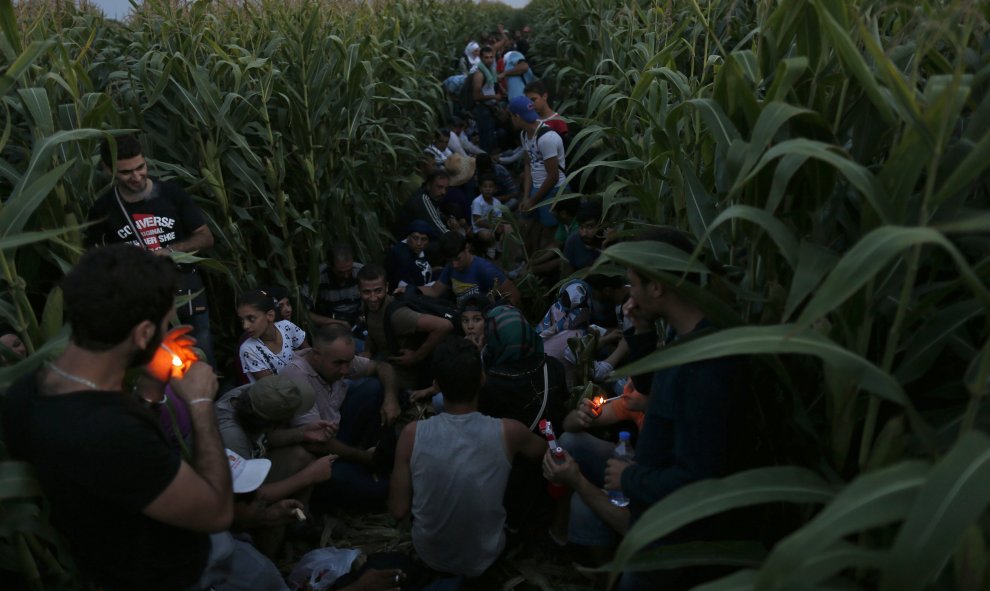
[127, 218]
[546, 395]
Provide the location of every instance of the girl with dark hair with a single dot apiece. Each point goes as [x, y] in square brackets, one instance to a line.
[271, 343]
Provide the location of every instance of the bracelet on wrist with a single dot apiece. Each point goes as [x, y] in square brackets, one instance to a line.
[196, 401]
[154, 404]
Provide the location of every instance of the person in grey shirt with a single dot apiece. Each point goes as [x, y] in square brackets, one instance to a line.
[451, 470]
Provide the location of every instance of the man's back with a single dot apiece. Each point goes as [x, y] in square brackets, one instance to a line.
[101, 459]
[459, 468]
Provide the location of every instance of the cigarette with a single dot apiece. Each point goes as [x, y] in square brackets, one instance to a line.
[299, 514]
[607, 400]
[176, 360]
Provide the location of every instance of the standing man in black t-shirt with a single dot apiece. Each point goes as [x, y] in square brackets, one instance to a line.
[136, 515]
[165, 218]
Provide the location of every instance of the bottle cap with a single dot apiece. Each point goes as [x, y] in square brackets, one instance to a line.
[624, 435]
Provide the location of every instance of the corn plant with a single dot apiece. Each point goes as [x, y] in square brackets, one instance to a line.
[293, 125]
[833, 157]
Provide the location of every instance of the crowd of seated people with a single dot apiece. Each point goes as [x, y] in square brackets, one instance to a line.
[437, 326]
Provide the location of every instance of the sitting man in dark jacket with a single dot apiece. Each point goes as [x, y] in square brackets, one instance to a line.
[692, 427]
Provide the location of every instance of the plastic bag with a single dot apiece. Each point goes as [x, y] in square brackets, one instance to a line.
[319, 569]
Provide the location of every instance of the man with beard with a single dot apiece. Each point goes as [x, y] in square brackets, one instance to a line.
[158, 216]
[417, 334]
[136, 515]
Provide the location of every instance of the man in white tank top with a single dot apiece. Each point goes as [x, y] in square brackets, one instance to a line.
[451, 469]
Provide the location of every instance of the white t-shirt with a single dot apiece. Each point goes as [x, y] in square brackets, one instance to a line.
[540, 148]
[482, 208]
[255, 356]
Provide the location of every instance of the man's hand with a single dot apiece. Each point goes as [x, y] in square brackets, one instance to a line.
[478, 340]
[320, 469]
[566, 472]
[281, 512]
[580, 418]
[318, 431]
[425, 393]
[390, 410]
[405, 358]
[198, 382]
[161, 366]
[613, 473]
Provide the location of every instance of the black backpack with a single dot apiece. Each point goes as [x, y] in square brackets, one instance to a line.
[416, 302]
[542, 130]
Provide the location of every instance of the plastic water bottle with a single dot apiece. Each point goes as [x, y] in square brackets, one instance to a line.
[623, 451]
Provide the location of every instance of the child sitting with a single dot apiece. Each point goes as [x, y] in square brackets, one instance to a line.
[270, 344]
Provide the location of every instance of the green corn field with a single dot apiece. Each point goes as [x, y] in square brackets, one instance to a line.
[832, 159]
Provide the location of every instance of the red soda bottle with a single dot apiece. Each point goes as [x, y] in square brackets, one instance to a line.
[554, 490]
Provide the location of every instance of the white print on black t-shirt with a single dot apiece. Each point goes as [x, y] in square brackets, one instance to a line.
[152, 228]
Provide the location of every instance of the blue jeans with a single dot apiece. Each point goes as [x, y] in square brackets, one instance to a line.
[584, 527]
[200, 323]
[542, 213]
[352, 484]
[235, 565]
[486, 127]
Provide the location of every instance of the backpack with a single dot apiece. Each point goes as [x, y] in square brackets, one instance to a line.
[542, 130]
[416, 302]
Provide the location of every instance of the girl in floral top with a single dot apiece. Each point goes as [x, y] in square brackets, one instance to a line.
[270, 345]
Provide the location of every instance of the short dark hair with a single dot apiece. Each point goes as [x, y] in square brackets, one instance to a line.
[371, 272]
[129, 281]
[451, 244]
[487, 177]
[128, 146]
[341, 251]
[483, 163]
[486, 49]
[474, 303]
[457, 369]
[568, 206]
[328, 333]
[588, 212]
[258, 299]
[537, 86]
[437, 174]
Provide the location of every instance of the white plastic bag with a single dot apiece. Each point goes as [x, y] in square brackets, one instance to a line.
[318, 569]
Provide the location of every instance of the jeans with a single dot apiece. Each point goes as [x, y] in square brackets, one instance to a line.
[584, 527]
[486, 127]
[235, 565]
[200, 323]
[352, 484]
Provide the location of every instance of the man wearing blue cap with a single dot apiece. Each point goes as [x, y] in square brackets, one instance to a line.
[406, 262]
[543, 172]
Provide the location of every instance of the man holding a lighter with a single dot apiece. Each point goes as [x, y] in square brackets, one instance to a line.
[136, 516]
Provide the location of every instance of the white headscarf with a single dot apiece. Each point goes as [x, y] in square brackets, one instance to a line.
[469, 53]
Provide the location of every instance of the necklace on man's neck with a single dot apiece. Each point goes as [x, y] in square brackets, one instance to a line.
[72, 377]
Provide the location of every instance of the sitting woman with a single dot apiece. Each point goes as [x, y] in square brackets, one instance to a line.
[521, 382]
[271, 343]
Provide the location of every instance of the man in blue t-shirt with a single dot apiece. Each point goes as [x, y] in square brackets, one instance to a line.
[469, 275]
